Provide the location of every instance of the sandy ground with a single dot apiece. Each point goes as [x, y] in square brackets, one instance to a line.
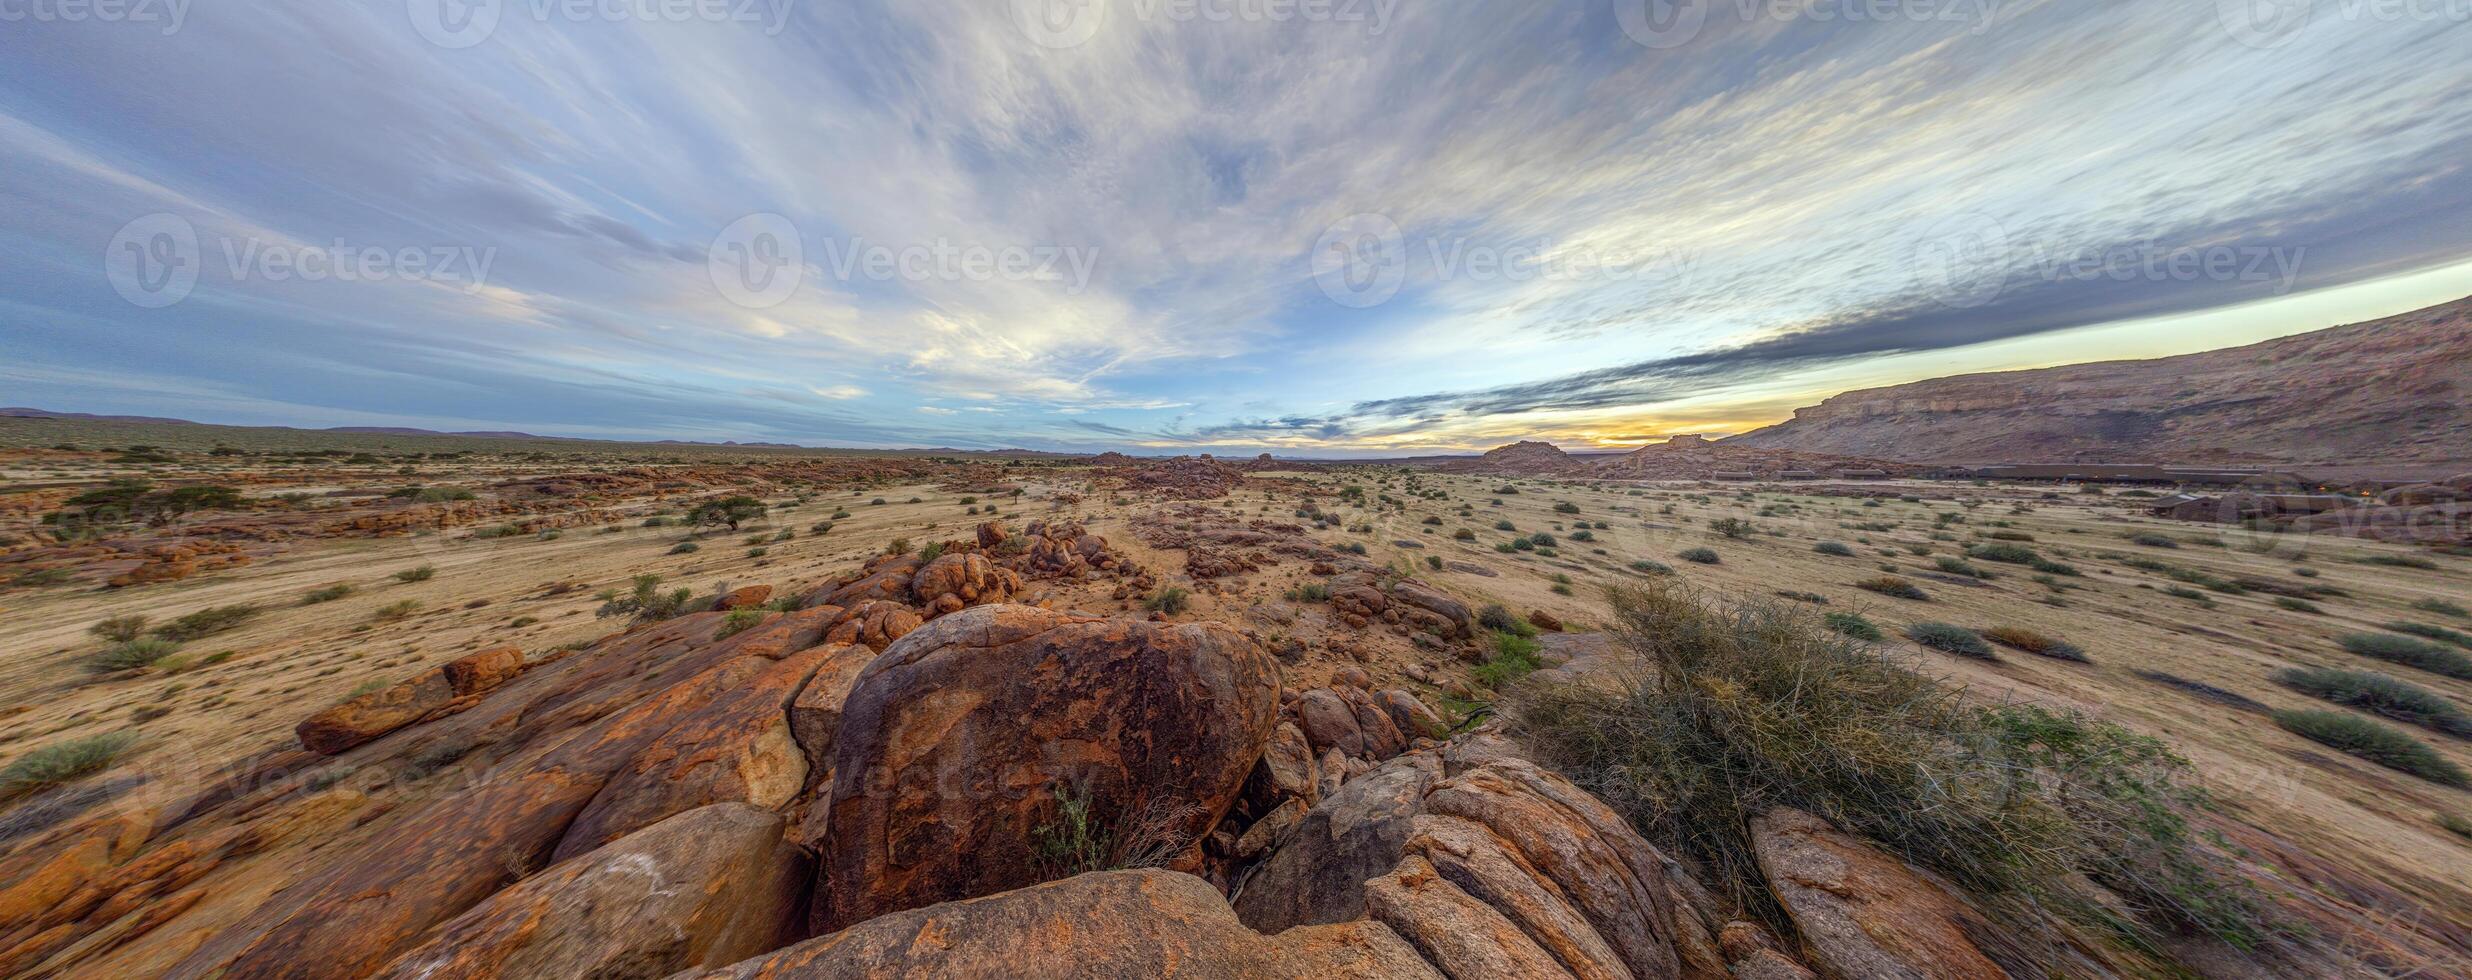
[293, 659]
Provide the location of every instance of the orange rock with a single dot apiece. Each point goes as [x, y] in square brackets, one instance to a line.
[746, 598]
[956, 743]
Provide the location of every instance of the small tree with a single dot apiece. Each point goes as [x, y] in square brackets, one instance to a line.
[728, 511]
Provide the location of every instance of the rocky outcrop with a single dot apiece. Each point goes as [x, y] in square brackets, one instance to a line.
[955, 582]
[2388, 391]
[1518, 459]
[1119, 925]
[355, 722]
[1862, 912]
[704, 888]
[956, 745]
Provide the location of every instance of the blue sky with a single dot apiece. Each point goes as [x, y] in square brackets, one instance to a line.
[1355, 227]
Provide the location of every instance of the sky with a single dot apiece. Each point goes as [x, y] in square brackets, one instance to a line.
[1314, 227]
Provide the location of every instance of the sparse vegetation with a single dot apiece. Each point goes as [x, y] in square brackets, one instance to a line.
[1170, 600]
[327, 594]
[1834, 548]
[131, 655]
[729, 512]
[2377, 743]
[119, 629]
[2382, 695]
[1854, 625]
[1759, 705]
[1893, 587]
[206, 622]
[63, 762]
[2410, 653]
[2029, 641]
[1515, 656]
[1699, 556]
[421, 574]
[1948, 638]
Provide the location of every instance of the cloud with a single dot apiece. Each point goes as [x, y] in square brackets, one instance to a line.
[1717, 220]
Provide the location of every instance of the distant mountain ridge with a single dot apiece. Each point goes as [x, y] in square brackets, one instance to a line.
[2397, 390]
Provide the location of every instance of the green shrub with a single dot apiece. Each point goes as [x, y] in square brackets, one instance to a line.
[1501, 620]
[1960, 566]
[206, 622]
[130, 655]
[1310, 592]
[1700, 556]
[1759, 705]
[1947, 638]
[1835, 548]
[2029, 641]
[738, 621]
[327, 594]
[394, 611]
[686, 548]
[2377, 743]
[1732, 527]
[646, 602]
[1893, 587]
[2382, 695]
[119, 629]
[62, 762]
[1646, 567]
[933, 551]
[1170, 600]
[2153, 541]
[2432, 632]
[2410, 653]
[2050, 567]
[421, 574]
[1854, 625]
[2004, 553]
[1514, 657]
[2399, 561]
[2442, 608]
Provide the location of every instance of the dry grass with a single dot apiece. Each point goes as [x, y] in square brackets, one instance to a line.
[1759, 704]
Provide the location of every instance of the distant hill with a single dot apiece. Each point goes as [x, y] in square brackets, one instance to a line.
[1519, 459]
[2397, 390]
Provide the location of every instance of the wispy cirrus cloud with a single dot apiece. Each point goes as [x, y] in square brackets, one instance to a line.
[1595, 235]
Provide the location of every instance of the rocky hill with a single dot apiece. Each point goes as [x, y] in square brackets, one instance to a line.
[1693, 458]
[2397, 390]
[1519, 459]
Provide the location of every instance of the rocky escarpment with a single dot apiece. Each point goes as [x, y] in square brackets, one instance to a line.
[2397, 390]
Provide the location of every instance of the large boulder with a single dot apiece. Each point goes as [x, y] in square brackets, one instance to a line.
[885, 578]
[1434, 611]
[962, 740]
[705, 888]
[1356, 834]
[735, 748]
[958, 581]
[1861, 911]
[1118, 925]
